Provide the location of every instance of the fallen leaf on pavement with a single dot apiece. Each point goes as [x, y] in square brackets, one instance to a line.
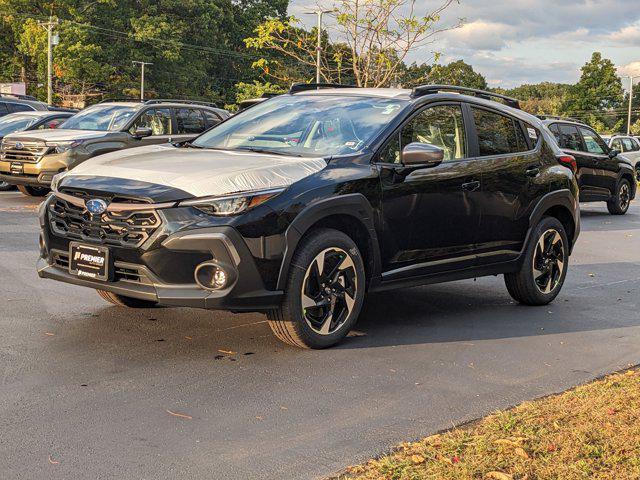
[417, 459]
[181, 415]
[52, 461]
[228, 352]
[521, 453]
[49, 334]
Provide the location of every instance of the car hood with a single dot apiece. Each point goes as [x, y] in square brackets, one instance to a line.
[56, 135]
[197, 172]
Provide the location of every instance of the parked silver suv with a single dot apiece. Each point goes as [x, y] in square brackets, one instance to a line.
[31, 159]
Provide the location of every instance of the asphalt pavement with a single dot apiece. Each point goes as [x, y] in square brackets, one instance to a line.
[89, 390]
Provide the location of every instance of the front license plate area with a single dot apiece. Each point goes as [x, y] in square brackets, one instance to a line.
[16, 168]
[89, 261]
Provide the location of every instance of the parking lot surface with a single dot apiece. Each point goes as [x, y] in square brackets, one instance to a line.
[89, 390]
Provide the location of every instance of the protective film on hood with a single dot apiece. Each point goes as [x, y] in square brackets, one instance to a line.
[201, 172]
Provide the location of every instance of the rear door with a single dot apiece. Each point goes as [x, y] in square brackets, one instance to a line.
[630, 149]
[509, 152]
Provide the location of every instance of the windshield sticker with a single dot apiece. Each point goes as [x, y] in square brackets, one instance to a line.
[532, 133]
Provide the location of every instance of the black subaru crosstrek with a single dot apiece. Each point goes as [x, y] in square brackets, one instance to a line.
[603, 175]
[301, 204]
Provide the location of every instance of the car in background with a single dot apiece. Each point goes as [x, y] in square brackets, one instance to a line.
[303, 203]
[26, 121]
[20, 103]
[629, 147]
[31, 159]
[603, 175]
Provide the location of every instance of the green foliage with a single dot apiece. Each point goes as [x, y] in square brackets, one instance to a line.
[246, 91]
[196, 47]
[598, 95]
[457, 73]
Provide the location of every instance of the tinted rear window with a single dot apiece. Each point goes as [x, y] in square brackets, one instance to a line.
[497, 134]
[568, 137]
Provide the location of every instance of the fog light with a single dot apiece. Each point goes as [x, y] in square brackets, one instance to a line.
[211, 276]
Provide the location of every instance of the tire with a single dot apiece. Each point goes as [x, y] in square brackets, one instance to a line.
[33, 191]
[6, 186]
[539, 282]
[330, 312]
[122, 301]
[619, 203]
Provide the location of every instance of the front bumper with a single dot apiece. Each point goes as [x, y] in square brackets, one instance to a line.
[165, 273]
[37, 174]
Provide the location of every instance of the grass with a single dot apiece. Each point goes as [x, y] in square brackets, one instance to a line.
[590, 432]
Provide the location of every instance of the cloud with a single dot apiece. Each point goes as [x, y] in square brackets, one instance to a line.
[632, 68]
[629, 35]
[482, 35]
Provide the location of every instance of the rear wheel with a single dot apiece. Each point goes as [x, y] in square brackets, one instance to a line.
[324, 292]
[123, 301]
[33, 191]
[545, 265]
[619, 203]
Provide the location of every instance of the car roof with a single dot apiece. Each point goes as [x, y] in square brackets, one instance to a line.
[39, 114]
[360, 92]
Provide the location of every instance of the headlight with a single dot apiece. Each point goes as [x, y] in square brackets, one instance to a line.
[231, 204]
[55, 181]
[61, 147]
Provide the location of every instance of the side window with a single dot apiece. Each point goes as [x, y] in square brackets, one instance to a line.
[569, 138]
[592, 141]
[19, 107]
[628, 145]
[211, 118]
[616, 144]
[3, 109]
[555, 129]
[190, 120]
[635, 144]
[497, 134]
[157, 119]
[441, 126]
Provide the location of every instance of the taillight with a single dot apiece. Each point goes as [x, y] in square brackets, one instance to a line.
[569, 162]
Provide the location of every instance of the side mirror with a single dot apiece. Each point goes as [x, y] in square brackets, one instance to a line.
[142, 132]
[422, 154]
[614, 153]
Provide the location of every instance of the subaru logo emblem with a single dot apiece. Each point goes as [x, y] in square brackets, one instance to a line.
[19, 145]
[96, 206]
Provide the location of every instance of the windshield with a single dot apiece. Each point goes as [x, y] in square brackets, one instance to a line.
[15, 123]
[102, 118]
[305, 125]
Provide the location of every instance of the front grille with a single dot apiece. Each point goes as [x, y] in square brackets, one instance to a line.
[120, 229]
[30, 152]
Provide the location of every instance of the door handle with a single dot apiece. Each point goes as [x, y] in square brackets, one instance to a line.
[533, 171]
[471, 186]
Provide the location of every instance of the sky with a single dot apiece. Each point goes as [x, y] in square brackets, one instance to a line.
[512, 42]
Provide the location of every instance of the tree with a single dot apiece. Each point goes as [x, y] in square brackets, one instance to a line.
[457, 73]
[598, 95]
[544, 98]
[373, 39]
[256, 89]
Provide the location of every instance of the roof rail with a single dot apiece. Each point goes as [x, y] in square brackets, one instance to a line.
[430, 89]
[556, 117]
[304, 87]
[109, 100]
[177, 100]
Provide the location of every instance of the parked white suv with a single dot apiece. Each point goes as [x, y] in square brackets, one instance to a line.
[629, 147]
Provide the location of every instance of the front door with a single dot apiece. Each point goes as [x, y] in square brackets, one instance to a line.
[159, 121]
[430, 215]
[603, 182]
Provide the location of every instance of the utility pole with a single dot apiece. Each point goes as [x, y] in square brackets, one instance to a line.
[631, 78]
[319, 13]
[142, 65]
[50, 41]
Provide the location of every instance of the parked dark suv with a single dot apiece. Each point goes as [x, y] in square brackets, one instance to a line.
[31, 159]
[603, 175]
[301, 204]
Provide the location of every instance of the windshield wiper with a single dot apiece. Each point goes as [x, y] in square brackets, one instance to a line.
[270, 152]
[190, 145]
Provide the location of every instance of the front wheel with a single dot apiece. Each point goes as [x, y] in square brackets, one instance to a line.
[545, 265]
[619, 203]
[122, 301]
[5, 186]
[33, 191]
[324, 292]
